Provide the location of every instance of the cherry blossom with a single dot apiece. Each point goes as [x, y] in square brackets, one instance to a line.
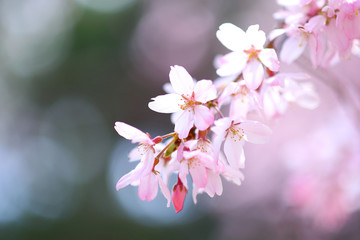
[241, 99]
[145, 149]
[144, 174]
[249, 55]
[285, 88]
[234, 133]
[213, 186]
[148, 187]
[214, 120]
[196, 163]
[327, 27]
[188, 101]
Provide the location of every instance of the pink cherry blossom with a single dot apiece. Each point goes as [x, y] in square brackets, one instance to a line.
[144, 174]
[196, 163]
[301, 36]
[188, 102]
[145, 149]
[249, 87]
[229, 173]
[234, 133]
[214, 185]
[148, 187]
[241, 99]
[249, 55]
[285, 88]
[328, 28]
[348, 18]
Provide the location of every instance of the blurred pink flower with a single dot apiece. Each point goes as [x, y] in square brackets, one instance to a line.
[324, 174]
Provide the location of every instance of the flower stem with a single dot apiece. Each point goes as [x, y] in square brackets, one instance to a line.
[169, 135]
[167, 146]
[218, 111]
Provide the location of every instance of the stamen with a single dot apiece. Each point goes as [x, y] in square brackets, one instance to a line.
[252, 52]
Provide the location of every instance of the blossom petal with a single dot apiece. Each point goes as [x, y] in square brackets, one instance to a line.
[168, 103]
[340, 41]
[276, 33]
[232, 63]
[256, 132]
[148, 159]
[142, 169]
[317, 48]
[184, 123]
[168, 88]
[198, 174]
[221, 125]
[164, 190]
[255, 37]
[230, 89]
[204, 117]
[148, 187]
[233, 149]
[231, 36]
[315, 24]
[195, 192]
[130, 132]
[130, 177]
[127, 179]
[175, 116]
[204, 91]
[239, 106]
[214, 184]
[134, 155]
[292, 48]
[253, 74]
[181, 80]
[231, 174]
[269, 58]
[183, 172]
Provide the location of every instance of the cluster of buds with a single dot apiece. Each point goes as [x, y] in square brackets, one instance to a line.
[329, 28]
[206, 143]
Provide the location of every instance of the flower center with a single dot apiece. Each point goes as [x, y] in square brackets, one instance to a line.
[252, 52]
[189, 102]
[143, 148]
[193, 162]
[242, 93]
[203, 145]
[236, 133]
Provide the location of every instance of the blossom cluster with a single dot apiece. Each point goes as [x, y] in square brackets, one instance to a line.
[330, 29]
[207, 144]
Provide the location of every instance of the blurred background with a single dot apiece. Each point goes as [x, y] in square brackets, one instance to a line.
[69, 69]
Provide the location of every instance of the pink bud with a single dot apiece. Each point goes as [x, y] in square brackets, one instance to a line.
[157, 139]
[178, 195]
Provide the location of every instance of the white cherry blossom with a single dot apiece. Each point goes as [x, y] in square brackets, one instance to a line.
[248, 54]
[188, 102]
